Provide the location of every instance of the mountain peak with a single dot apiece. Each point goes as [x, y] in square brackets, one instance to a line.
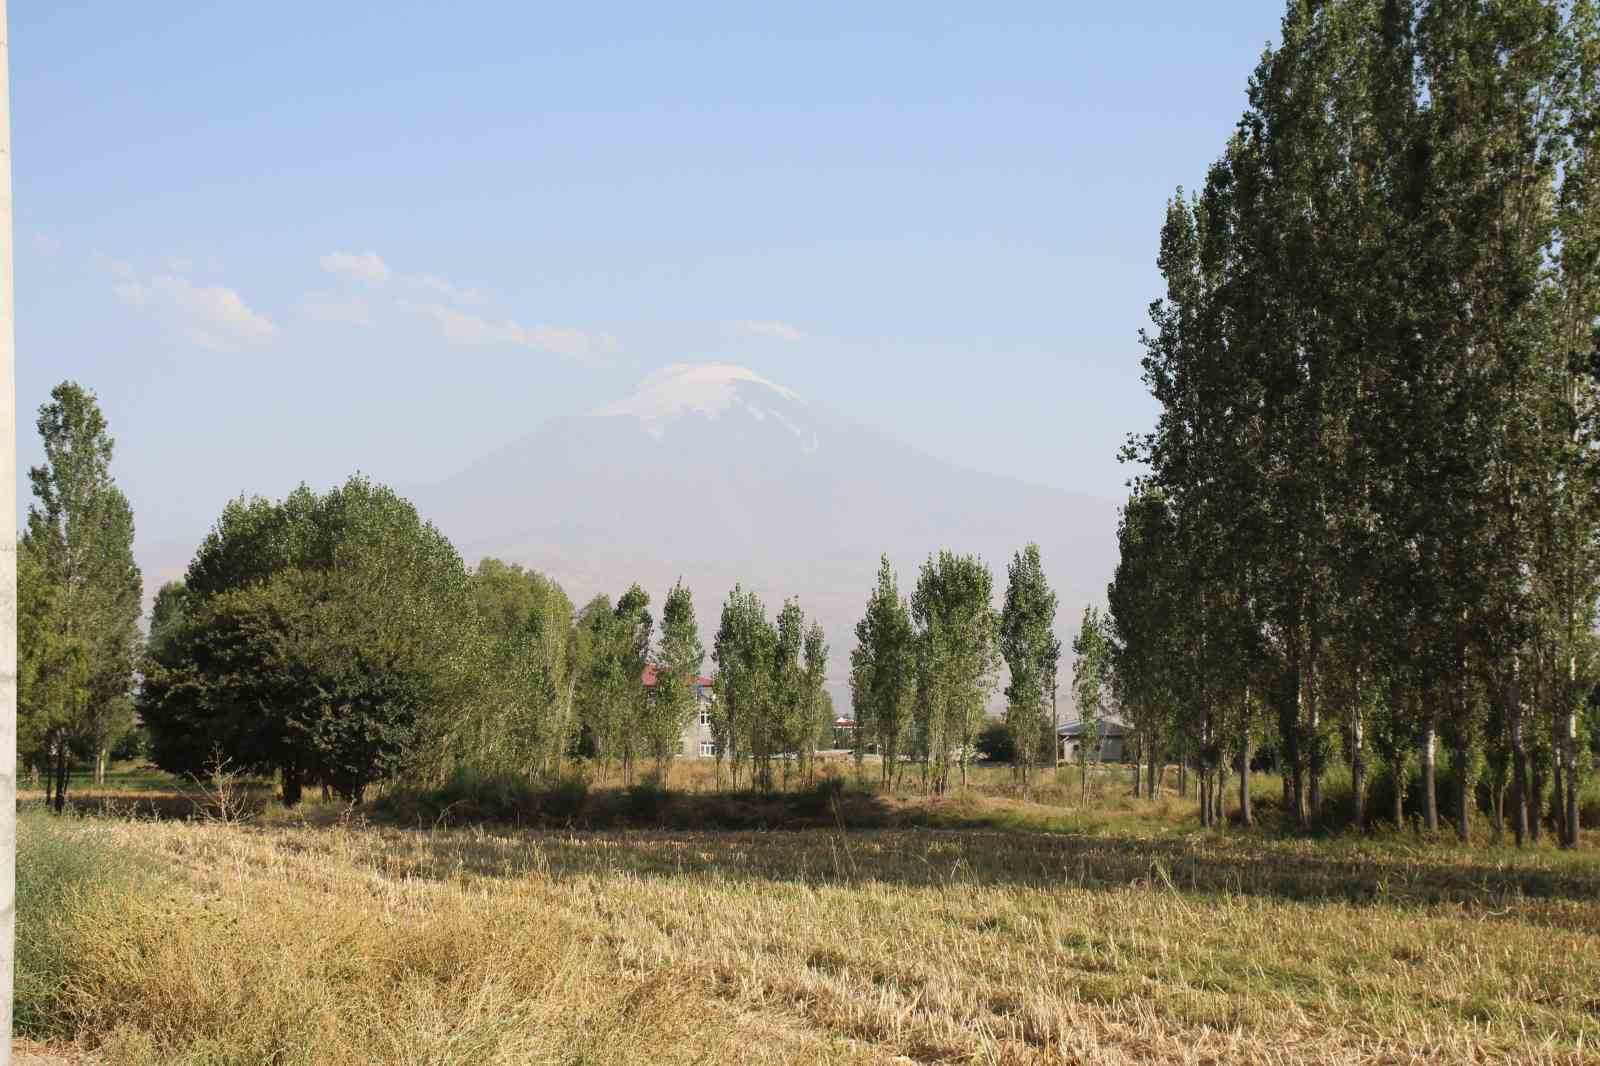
[708, 389]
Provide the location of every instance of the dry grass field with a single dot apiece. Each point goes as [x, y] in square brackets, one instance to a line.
[1130, 938]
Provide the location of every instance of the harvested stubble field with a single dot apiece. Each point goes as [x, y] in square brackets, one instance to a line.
[352, 943]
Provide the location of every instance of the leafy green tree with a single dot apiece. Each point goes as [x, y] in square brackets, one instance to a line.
[672, 706]
[959, 658]
[525, 721]
[816, 705]
[168, 616]
[79, 647]
[883, 674]
[356, 654]
[633, 632]
[1091, 682]
[791, 698]
[1028, 643]
[745, 722]
[612, 689]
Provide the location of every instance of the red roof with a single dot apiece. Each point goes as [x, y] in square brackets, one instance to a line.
[649, 678]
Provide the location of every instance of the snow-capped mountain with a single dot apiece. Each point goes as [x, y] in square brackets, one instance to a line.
[715, 474]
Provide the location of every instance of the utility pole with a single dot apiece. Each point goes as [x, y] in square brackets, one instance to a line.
[8, 566]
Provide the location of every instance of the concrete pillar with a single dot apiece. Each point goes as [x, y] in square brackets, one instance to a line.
[8, 566]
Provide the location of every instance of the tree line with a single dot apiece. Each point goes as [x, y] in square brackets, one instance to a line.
[338, 640]
[1369, 521]
[924, 668]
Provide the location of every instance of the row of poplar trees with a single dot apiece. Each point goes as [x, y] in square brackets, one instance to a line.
[923, 669]
[771, 705]
[1370, 526]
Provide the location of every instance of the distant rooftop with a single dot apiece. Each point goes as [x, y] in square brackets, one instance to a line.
[1109, 727]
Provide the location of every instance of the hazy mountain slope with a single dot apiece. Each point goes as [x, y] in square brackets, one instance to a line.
[714, 474]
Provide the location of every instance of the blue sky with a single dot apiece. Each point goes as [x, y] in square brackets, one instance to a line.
[287, 241]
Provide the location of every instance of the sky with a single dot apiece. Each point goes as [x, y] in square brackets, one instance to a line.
[284, 242]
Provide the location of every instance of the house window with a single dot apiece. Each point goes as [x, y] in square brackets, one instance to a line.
[708, 749]
[705, 716]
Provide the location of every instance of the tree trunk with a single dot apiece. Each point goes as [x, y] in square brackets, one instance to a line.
[1314, 757]
[1558, 804]
[1289, 753]
[1519, 756]
[1535, 803]
[1497, 806]
[1246, 813]
[1083, 774]
[1218, 794]
[1205, 798]
[1397, 773]
[1055, 726]
[1569, 756]
[1463, 755]
[1358, 758]
[62, 767]
[100, 766]
[293, 785]
[1138, 763]
[1430, 746]
[1153, 780]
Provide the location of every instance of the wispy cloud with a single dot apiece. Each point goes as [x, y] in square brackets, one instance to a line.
[46, 245]
[358, 266]
[449, 290]
[328, 307]
[459, 327]
[212, 316]
[776, 330]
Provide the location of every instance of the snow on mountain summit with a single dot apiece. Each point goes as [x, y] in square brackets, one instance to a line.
[711, 389]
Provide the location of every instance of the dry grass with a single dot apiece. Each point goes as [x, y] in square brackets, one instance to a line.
[299, 944]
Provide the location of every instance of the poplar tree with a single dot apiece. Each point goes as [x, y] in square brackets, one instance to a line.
[883, 673]
[1028, 643]
[1091, 677]
[672, 706]
[79, 648]
[958, 644]
[745, 721]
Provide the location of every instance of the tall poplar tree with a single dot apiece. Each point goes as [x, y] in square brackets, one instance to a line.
[678, 664]
[959, 658]
[883, 673]
[1028, 643]
[82, 642]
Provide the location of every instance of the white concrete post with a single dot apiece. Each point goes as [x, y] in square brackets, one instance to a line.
[8, 566]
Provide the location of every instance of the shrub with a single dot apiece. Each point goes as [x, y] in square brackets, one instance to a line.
[566, 800]
[821, 800]
[56, 863]
[995, 743]
[647, 803]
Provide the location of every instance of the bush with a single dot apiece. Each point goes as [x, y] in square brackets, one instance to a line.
[56, 863]
[647, 803]
[821, 800]
[566, 800]
[995, 743]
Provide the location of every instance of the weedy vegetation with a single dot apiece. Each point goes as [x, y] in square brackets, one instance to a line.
[1132, 935]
